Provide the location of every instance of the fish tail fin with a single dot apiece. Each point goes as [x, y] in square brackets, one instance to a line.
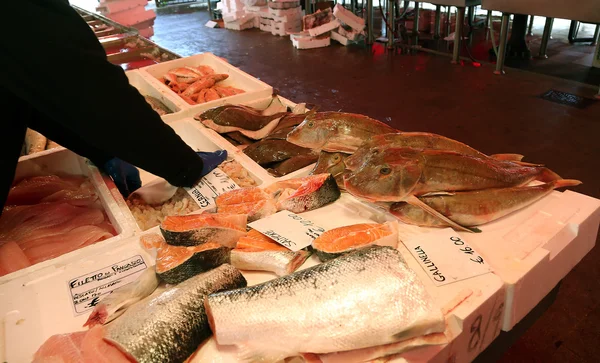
[418, 203]
[563, 183]
[508, 157]
[546, 175]
[524, 163]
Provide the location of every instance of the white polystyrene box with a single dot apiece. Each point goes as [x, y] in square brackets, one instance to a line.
[166, 96]
[339, 38]
[322, 29]
[348, 18]
[304, 42]
[67, 162]
[254, 88]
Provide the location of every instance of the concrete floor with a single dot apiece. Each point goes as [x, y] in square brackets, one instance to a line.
[426, 93]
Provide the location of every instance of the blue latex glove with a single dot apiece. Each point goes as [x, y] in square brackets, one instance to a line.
[125, 175]
[211, 160]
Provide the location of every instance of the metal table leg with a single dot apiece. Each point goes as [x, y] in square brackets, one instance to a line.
[546, 37]
[370, 35]
[449, 20]
[596, 33]
[436, 26]
[460, 20]
[416, 22]
[530, 27]
[503, 41]
[391, 25]
[488, 25]
[210, 10]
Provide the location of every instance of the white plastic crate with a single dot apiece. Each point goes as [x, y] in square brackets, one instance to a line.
[254, 88]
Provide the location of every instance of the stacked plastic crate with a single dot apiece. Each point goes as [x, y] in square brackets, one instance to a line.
[129, 13]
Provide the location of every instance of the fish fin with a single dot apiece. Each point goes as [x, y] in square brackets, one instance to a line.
[547, 175]
[508, 157]
[250, 354]
[563, 183]
[433, 194]
[524, 163]
[418, 203]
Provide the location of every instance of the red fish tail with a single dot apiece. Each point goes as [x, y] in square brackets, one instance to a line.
[546, 175]
[563, 183]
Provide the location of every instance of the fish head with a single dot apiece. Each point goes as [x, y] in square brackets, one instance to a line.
[390, 178]
[312, 133]
[211, 114]
[365, 154]
[332, 163]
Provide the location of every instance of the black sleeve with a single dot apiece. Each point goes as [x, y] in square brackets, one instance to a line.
[56, 65]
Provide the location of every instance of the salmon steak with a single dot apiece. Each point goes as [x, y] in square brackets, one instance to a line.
[253, 202]
[305, 194]
[197, 229]
[338, 241]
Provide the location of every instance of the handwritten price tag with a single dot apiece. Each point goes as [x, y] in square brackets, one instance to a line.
[446, 257]
[89, 289]
[288, 229]
[211, 186]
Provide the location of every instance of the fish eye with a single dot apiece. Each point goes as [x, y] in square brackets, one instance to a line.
[336, 158]
[310, 124]
[375, 151]
[385, 170]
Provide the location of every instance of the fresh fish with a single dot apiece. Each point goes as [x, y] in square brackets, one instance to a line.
[239, 138]
[168, 327]
[157, 106]
[175, 264]
[34, 142]
[12, 258]
[253, 202]
[339, 241]
[416, 140]
[280, 134]
[211, 352]
[478, 207]
[332, 163]
[204, 82]
[257, 252]
[304, 194]
[336, 131]
[82, 347]
[115, 304]
[229, 119]
[399, 172]
[293, 314]
[270, 151]
[197, 229]
[34, 189]
[292, 164]
[289, 121]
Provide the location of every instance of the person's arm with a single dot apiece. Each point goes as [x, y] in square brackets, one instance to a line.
[57, 65]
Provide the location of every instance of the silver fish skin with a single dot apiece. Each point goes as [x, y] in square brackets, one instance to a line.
[366, 298]
[115, 304]
[168, 327]
[279, 262]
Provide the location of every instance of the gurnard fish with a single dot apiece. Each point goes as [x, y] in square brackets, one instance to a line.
[257, 252]
[336, 131]
[416, 140]
[304, 194]
[400, 172]
[338, 241]
[333, 163]
[478, 207]
[293, 314]
[115, 304]
[168, 327]
[250, 124]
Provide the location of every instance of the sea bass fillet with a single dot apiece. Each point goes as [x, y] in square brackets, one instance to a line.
[336, 131]
[168, 327]
[477, 207]
[322, 309]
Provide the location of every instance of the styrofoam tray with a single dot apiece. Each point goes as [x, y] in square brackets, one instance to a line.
[42, 153]
[146, 88]
[255, 89]
[29, 318]
[67, 162]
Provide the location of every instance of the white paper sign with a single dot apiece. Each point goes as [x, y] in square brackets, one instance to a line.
[288, 229]
[446, 257]
[211, 186]
[89, 289]
[211, 24]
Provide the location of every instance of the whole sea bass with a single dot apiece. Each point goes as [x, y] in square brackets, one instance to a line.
[169, 326]
[416, 140]
[336, 131]
[397, 173]
[365, 298]
[477, 207]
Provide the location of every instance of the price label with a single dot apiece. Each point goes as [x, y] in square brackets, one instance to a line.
[211, 186]
[288, 229]
[446, 257]
[89, 289]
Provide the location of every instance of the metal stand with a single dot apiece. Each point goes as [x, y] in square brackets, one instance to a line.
[391, 24]
[370, 36]
[596, 33]
[449, 21]
[460, 20]
[503, 42]
[488, 25]
[436, 26]
[415, 30]
[471, 12]
[530, 27]
[546, 38]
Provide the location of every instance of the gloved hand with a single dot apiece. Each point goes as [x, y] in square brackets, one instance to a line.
[125, 175]
[211, 160]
